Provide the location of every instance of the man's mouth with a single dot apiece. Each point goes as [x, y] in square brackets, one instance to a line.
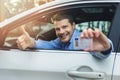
[63, 36]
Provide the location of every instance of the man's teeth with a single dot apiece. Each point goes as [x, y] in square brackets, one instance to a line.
[63, 36]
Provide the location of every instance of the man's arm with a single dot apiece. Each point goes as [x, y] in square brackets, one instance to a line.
[25, 41]
[103, 54]
[102, 46]
[41, 44]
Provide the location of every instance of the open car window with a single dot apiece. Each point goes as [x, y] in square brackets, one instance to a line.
[85, 17]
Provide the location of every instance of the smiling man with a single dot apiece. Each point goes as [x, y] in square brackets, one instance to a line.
[64, 30]
[66, 33]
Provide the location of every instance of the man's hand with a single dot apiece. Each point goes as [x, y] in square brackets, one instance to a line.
[100, 41]
[25, 41]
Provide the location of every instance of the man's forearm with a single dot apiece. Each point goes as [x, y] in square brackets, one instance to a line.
[104, 54]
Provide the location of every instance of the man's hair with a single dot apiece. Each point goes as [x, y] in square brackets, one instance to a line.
[61, 16]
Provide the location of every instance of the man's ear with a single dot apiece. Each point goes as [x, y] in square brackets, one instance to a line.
[73, 25]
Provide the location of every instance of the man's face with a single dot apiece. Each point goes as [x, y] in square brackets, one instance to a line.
[64, 29]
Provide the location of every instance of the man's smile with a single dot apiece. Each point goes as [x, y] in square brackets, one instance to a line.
[63, 36]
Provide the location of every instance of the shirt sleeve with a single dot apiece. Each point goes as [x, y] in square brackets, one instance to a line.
[105, 54]
[41, 44]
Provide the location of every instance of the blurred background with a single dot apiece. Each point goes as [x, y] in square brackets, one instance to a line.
[9, 8]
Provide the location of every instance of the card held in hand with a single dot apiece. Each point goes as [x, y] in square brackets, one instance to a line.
[83, 43]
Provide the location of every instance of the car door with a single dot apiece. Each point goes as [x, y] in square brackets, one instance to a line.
[55, 64]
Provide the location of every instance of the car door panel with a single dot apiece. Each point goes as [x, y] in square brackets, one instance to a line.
[50, 65]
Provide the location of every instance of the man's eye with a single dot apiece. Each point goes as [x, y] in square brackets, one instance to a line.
[57, 29]
[64, 27]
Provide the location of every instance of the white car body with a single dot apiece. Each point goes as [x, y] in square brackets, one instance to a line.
[53, 65]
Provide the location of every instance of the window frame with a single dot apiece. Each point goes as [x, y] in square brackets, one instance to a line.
[114, 34]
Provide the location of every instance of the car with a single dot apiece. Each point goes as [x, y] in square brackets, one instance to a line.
[34, 64]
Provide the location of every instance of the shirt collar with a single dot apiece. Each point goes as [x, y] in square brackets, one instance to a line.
[76, 33]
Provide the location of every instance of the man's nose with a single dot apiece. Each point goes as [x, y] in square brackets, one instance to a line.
[61, 31]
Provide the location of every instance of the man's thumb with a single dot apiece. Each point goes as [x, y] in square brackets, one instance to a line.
[24, 32]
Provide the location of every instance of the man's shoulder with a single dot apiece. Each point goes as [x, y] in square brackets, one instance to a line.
[76, 32]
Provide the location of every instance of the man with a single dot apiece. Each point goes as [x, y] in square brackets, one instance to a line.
[66, 32]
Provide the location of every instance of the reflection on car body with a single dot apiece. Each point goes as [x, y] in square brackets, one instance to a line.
[57, 64]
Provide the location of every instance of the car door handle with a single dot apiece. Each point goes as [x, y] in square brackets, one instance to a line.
[88, 75]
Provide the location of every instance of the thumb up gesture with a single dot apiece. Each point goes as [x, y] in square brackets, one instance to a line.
[25, 41]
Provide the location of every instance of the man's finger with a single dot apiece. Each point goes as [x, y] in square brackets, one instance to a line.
[84, 34]
[19, 46]
[24, 31]
[23, 45]
[20, 39]
[90, 32]
[97, 33]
